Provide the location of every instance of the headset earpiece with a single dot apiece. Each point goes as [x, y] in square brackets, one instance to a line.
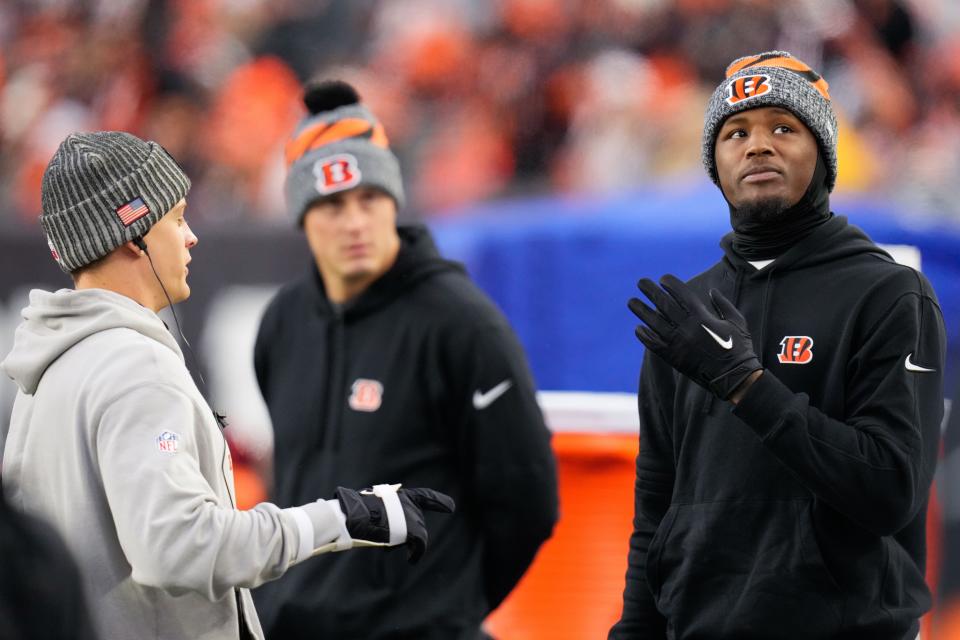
[140, 243]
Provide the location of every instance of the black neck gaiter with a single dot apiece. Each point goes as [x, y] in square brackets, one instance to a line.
[766, 236]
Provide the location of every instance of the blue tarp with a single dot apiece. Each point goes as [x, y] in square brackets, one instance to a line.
[563, 269]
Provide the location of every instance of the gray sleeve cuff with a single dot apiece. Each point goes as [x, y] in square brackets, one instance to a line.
[321, 527]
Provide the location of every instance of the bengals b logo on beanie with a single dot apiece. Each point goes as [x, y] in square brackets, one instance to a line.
[773, 79]
[339, 145]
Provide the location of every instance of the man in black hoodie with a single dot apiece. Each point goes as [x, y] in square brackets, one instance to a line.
[385, 361]
[790, 399]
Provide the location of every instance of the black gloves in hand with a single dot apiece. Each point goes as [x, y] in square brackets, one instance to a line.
[712, 347]
[369, 516]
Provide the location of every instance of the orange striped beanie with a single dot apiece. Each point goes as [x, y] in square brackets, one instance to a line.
[773, 79]
[338, 146]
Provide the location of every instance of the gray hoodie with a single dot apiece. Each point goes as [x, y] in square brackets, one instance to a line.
[111, 442]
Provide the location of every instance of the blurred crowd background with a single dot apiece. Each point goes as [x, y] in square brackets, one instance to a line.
[481, 98]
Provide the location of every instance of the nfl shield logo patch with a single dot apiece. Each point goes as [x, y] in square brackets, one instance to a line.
[168, 442]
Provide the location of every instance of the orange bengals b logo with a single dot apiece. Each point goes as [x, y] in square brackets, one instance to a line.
[365, 395]
[796, 350]
[747, 87]
[336, 173]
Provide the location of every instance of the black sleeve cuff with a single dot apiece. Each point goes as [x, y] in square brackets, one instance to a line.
[765, 405]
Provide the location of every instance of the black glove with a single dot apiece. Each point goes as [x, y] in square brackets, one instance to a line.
[712, 347]
[368, 516]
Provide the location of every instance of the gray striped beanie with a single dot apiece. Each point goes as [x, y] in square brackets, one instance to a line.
[773, 79]
[338, 146]
[103, 189]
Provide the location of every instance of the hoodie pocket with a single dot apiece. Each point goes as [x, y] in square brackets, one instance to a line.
[743, 570]
[903, 591]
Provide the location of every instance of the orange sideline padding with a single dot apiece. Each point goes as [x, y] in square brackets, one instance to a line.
[574, 588]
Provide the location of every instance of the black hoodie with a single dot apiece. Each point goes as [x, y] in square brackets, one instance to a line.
[406, 383]
[800, 513]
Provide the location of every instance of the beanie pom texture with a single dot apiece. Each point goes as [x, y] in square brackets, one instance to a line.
[328, 95]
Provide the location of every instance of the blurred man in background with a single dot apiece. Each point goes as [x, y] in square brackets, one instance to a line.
[41, 595]
[797, 510]
[111, 441]
[386, 361]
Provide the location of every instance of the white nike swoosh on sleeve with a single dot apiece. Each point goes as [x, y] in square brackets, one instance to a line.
[915, 367]
[484, 400]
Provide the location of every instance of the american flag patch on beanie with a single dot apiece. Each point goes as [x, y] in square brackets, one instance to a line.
[132, 211]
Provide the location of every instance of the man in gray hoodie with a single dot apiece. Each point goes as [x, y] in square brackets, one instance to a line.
[111, 441]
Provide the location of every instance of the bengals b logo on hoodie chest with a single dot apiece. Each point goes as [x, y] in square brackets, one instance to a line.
[365, 395]
[796, 350]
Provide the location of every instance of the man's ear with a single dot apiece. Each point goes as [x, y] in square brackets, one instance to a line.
[133, 249]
